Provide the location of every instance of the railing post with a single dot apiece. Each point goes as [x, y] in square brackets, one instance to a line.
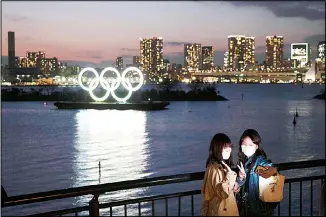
[94, 206]
[323, 199]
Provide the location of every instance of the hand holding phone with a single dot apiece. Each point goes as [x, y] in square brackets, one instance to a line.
[266, 171]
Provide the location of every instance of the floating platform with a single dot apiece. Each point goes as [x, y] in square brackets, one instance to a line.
[142, 106]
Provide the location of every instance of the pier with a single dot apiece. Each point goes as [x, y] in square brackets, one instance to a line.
[94, 192]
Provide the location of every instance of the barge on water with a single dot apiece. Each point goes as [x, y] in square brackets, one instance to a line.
[142, 106]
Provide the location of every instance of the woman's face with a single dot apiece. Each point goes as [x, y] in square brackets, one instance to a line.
[226, 153]
[248, 147]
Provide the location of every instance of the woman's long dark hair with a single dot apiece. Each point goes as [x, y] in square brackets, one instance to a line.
[256, 139]
[219, 141]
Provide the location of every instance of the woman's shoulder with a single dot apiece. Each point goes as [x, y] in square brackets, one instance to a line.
[214, 166]
[263, 161]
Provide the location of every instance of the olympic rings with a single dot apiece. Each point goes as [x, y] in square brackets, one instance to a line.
[110, 88]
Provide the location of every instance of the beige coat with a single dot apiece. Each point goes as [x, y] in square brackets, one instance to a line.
[217, 190]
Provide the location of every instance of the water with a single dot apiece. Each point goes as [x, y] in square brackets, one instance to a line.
[46, 149]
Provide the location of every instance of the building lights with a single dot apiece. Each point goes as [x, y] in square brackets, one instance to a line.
[192, 57]
[274, 51]
[151, 55]
[207, 58]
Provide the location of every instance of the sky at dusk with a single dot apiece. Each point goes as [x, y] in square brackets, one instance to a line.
[95, 33]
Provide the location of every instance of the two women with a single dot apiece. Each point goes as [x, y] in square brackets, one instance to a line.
[221, 183]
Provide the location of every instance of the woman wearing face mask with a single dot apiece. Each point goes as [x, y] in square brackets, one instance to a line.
[251, 155]
[219, 181]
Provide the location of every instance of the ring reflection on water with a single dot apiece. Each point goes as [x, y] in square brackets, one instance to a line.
[116, 139]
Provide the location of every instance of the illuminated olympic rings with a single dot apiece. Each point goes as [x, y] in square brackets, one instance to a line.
[110, 88]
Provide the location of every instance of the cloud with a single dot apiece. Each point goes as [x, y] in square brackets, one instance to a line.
[125, 57]
[21, 38]
[176, 53]
[15, 18]
[308, 10]
[314, 39]
[25, 38]
[94, 54]
[105, 63]
[102, 64]
[130, 49]
[176, 43]
[96, 57]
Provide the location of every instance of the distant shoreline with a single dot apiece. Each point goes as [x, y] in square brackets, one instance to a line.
[11, 86]
[204, 94]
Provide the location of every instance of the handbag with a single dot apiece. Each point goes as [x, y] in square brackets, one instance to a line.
[271, 189]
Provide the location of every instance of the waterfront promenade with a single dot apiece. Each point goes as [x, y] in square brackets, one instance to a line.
[150, 203]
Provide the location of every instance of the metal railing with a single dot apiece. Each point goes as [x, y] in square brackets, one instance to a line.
[95, 191]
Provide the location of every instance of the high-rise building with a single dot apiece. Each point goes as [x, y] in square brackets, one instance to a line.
[274, 51]
[75, 69]
[36, 59]
[166, 65]
[40, 56]
[236, 49]
[22, 62]
[51, 64]
[158, 54]
[151, 56]
[146, 55]
[31, 59]
[119, 63]
[17, 61]
[192, 57]
[207, 57]
[226, 60]
[250, 51]
[176, 69]
[11, 50]
[321, 50]
[136, 61]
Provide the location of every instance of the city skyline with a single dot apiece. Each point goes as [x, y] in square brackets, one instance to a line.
[176, 25]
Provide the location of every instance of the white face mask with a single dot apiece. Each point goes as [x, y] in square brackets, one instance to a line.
[226, 155]
[248, 150]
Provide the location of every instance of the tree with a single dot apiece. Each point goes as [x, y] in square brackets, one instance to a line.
[194, 85]
[168, 85]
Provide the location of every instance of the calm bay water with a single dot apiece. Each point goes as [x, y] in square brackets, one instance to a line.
[46, 149]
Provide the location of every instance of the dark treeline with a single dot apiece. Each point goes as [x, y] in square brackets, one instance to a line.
[204, 94]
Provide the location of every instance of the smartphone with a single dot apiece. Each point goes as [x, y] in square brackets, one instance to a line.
[260, 169]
